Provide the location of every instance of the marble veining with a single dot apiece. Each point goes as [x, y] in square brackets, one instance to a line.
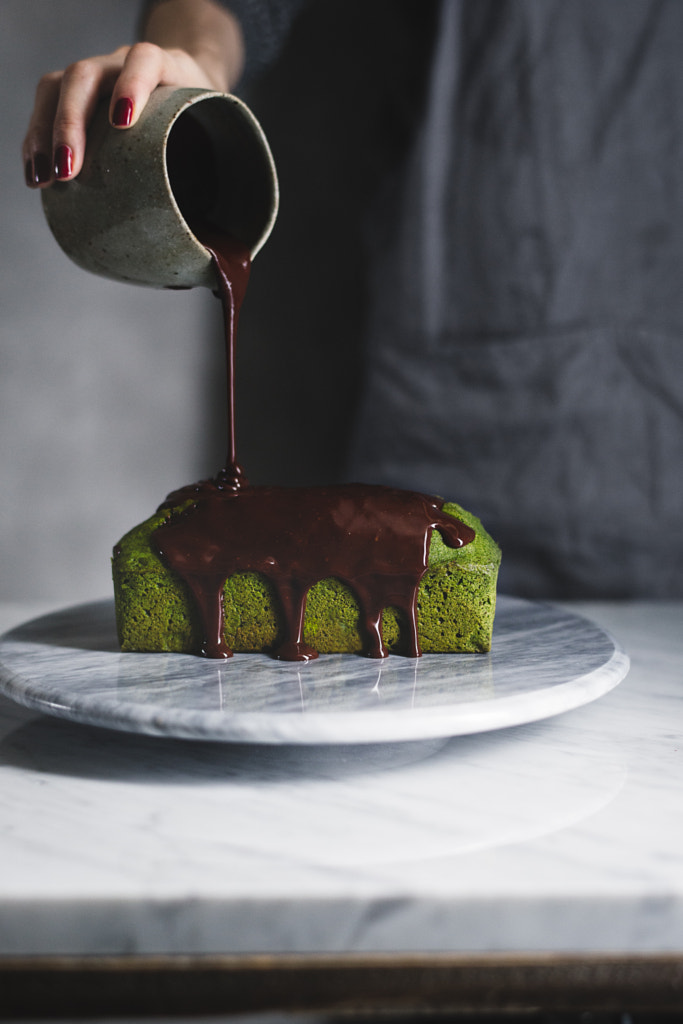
[559, 834]
[544, 661]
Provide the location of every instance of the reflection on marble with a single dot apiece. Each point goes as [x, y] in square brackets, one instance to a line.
[128, 843]
[544, 661]
[398, 802]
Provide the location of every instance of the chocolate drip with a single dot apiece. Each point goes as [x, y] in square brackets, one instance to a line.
[232, 262]
[374, 539]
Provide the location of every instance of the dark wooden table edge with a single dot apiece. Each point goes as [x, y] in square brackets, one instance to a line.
[191, 985]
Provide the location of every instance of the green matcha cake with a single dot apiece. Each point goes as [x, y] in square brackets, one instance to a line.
[456, 601]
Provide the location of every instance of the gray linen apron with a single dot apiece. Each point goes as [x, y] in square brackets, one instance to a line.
[525, 344]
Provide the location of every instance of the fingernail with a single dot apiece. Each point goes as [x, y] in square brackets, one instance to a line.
[42, 171]
[123, 113]
[37, 170]
[63, 161]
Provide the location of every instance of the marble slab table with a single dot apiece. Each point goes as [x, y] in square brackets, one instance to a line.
[536, 865]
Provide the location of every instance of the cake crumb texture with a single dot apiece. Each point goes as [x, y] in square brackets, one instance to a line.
[456, 602]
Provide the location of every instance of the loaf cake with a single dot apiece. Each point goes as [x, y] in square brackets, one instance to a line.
[156, 611]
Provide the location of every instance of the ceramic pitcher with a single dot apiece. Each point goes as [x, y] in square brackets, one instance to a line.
[194, 155]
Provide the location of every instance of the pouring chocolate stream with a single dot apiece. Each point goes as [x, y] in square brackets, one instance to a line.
[375, 539]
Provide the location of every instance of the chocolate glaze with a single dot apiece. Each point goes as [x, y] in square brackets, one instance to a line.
[374, 539]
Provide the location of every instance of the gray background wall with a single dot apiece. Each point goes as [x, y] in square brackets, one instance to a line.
[93, 422]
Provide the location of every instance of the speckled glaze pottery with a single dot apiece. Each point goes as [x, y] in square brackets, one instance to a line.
[126, 214]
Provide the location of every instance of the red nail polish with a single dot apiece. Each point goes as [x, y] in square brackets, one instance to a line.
[42, 171]
[123, 113]
[63, 161]
[37, 170]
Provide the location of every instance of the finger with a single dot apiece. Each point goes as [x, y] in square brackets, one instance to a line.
[37, 145]
[146, 66]
[82, 85]
[142, 71]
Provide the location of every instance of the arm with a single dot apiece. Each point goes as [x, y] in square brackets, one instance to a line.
[185, 43]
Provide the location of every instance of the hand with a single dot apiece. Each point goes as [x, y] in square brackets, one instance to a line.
[189, 43]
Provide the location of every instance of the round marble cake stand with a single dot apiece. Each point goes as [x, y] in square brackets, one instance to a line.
[544, 661]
